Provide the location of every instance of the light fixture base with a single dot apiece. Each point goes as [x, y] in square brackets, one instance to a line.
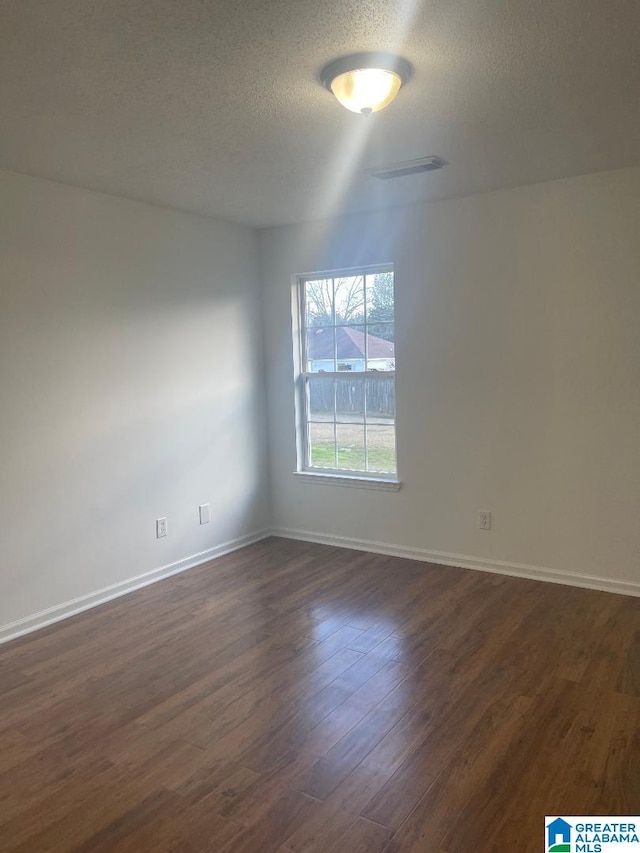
[367, 59]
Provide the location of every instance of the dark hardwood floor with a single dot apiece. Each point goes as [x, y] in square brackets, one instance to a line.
[296, 697]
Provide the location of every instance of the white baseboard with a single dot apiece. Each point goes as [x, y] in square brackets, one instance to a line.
[519, 570]
[69, 608]
[26, 625]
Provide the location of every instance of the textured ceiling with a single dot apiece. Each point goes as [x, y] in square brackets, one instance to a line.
[215, 107]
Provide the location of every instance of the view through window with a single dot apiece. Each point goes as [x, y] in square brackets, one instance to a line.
[348, 373]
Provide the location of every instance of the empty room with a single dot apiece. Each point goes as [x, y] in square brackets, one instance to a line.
[319, 426]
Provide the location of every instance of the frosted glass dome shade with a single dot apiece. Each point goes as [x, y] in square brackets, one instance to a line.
[366, 90]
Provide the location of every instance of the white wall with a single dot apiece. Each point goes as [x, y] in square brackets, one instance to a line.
[519, 370]
[115, 319]
[518, 359]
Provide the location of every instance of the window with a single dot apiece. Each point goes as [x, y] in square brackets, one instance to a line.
[347, 377]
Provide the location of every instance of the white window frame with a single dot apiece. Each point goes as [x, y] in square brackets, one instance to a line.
[337, 476]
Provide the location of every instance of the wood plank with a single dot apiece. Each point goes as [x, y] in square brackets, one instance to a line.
[362, 837]
[301, 698]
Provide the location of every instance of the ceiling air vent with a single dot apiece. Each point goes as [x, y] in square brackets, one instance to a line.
[409, 167]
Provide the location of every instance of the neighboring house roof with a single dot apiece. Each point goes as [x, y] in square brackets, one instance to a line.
[350, 343]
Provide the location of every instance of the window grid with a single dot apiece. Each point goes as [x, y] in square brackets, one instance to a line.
[365, 376]
[364, 381]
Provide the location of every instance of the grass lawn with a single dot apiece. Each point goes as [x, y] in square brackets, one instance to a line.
[380, 459]
[381, 446]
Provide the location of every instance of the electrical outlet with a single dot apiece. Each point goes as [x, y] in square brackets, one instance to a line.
[161, 527]
[205, 515]
[484, 520]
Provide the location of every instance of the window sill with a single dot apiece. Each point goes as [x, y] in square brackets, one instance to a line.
[348, 480]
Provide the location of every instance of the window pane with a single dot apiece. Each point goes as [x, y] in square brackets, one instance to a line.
[321, 350]
[350, 345]
[381, 449]
[380, 299]
[321, 399]
[350, 443]
[349, 299]
[380, 401]
[322, 447]
[381, 351]
[318, 296]
[350, 400]
[348, 329]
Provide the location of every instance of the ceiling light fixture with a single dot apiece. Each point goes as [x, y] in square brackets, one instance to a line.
[366, 82]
